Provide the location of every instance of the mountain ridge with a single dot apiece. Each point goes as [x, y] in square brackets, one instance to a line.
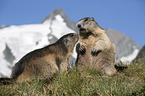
[124, 45]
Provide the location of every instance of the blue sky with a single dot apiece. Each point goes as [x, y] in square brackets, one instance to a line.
[126, 16]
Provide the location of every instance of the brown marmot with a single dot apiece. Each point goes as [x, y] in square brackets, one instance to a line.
[94, 47]
[45, 62]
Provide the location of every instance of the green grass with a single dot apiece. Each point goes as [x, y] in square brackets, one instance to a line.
[86, 82]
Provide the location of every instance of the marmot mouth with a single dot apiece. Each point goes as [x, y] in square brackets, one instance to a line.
[83, 30]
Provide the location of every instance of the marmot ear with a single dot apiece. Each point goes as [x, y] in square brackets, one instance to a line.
[92, 19]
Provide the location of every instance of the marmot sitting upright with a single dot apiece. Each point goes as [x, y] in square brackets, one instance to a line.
[45, 62]
[94, 47]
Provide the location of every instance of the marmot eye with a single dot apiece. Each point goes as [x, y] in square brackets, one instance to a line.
[79, 26]
[86, 19]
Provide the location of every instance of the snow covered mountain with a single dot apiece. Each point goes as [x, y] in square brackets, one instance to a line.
[16, 41]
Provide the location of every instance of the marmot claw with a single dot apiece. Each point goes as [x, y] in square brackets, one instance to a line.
[95, 52]
[82, 49]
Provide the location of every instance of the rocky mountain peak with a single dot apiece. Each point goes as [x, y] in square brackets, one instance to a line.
[59, 11]
[52, 15]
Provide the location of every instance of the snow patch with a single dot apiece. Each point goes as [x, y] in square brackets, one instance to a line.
[59, 18]
[59, 30]
[130, 57]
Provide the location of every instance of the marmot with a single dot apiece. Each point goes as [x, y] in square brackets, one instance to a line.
[94, 47]
[45, 62]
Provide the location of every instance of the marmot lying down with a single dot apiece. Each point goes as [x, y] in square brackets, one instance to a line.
[45, 62]
[94, 47]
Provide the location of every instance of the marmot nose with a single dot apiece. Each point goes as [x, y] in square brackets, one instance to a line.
[79, 26]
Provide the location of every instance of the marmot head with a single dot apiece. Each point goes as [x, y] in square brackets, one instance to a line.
[87, 26]
[68, 41]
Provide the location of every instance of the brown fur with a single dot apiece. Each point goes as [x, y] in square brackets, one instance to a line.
[94, 47]
[45, 62]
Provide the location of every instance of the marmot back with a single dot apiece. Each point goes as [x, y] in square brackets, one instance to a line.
[94, 48]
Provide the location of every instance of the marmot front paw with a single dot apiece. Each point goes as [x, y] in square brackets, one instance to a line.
[82, 49]
[95, 52]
